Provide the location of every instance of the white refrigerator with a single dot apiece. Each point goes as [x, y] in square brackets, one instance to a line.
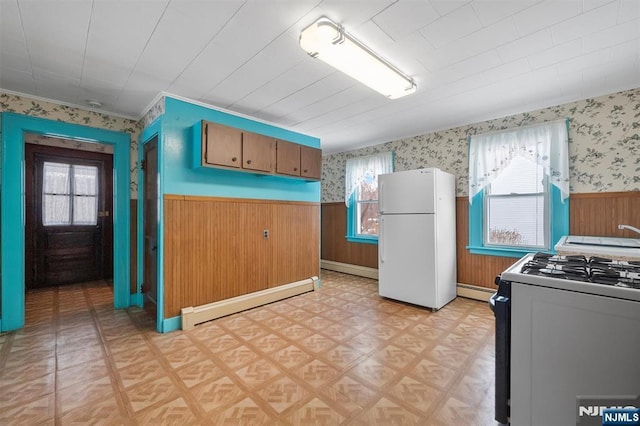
[417, 238]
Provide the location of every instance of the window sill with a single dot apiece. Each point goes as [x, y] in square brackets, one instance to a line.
[500, 251]
[364, 240]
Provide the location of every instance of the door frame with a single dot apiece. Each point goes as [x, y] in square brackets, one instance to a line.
[12, 214]
[148, 134]
[40, 153]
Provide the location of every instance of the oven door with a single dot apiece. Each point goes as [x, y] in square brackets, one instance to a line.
[500, 304]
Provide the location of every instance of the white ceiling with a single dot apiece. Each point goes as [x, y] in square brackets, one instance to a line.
[472, 59]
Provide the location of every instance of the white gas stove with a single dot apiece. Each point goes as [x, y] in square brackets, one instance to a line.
[567, 327]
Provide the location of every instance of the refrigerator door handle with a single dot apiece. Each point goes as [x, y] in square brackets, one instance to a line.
[381, 241]
[381, 200]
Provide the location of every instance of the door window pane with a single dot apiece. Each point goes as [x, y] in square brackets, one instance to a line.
[55, 197]
[69, 194]
[85, 180]
[55, 210]
[85, 210]
[85, 200]
[56, 178]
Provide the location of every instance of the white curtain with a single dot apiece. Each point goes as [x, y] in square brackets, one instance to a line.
[362, 168]
[85, 200]
[58, 194]
[55, 194]
[545, 144]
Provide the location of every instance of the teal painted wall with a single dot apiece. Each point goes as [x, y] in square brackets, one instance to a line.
[178, 144]
[178, 137]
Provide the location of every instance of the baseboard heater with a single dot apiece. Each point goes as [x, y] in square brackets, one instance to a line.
[475, 292]
[347, 268]
[465, 290]
[199, 314]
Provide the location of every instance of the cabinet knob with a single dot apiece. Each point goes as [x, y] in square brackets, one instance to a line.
[248, 161]
[304, 171]
[295, 169]
[234, 159]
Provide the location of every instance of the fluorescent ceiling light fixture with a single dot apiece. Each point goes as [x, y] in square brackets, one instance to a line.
[328, 41]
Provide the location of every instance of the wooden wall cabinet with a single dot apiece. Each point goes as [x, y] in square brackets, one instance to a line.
[221, 145]
[288, 158]
[229, 147]
[310, 162]
[258, 152]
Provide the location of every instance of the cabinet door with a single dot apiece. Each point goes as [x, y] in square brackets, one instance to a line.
[258, 152]
[288, 158]
[222, 145]
[310, 162]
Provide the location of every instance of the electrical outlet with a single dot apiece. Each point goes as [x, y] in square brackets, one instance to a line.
[265, 233]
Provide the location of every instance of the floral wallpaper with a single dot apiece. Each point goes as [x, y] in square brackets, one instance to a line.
[51, 111]
[154, 112]
[604, 141]
[604, 146]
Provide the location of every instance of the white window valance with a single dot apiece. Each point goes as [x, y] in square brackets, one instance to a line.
[545, 144]
[360, 169]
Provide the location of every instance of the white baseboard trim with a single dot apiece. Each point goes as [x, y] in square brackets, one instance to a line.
[475, 292]
[361, 271]
[464, 290]
[199, 314]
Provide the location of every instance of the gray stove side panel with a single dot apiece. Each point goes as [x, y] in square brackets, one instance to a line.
[565, 344]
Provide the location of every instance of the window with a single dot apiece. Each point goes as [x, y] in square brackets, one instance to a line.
[361, 195]
[69, 194]
[514, 203]
[518, 189]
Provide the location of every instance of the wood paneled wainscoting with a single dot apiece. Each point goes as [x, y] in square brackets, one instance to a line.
[335, 246]
[600, 213]
[590, 214]
[216, 248]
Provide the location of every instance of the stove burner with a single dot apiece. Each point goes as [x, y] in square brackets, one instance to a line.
[605, 277]
[555, 259]
[623, 266]
[598, 270]
[557, 272]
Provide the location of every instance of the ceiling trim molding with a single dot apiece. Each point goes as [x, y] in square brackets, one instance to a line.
[226, 111]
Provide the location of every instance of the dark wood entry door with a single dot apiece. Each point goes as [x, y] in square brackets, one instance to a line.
[150, 173]
[69, 228]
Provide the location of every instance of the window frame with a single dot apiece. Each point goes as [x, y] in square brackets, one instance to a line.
[352, 215]
[558, 212]
[546, 216]
[352, 223]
